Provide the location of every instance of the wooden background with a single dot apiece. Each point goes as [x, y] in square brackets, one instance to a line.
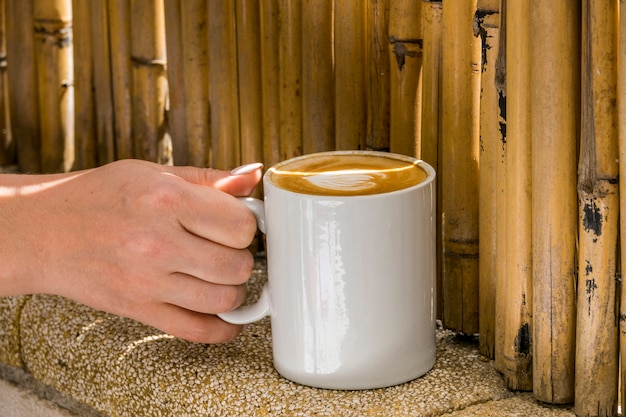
[517, 104]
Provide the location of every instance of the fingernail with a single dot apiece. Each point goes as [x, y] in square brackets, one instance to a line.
[246, 169]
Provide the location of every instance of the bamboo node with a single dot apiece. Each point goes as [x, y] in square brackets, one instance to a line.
[62, 37]
[401, 51]
[143, 62]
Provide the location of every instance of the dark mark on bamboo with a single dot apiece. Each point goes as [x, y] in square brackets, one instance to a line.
[522, 340]
[401, 51]
[481, 31]
[590, 289]
[592, 218]
[61, 37]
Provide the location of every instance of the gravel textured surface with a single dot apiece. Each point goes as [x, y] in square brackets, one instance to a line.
[119, 367]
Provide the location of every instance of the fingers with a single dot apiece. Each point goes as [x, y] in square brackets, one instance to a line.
[216, 216]
[190, 325]
[239, 182]
[200, 296]
[204, 203]
[212, 262]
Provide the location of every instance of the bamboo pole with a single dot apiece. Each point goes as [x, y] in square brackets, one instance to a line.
[290, 56]
[121, 76]
[350, 88]
[555, 84]
[7, 146]
[621, 126]
[405, 55]
[430, 126]
[460, 143]
[378, 80]
[596, 346]
[53, 52]
[176, 74]
[223, 91]
[249, 76]
[270, 80]
[188, 75]
[93, 102]
[149, 83]
[196, 68]
[431, 82]
[488, 26]
[501, 197]
[105, 138]
[318, 112]
[84, 91]
[22, 85]
[517, 354]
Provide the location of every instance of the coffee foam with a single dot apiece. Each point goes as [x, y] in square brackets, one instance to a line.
[346, 174]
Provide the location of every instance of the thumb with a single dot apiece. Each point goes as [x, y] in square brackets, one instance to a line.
[240, 181]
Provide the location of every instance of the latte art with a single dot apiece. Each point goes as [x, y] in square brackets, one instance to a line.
[346, 179]
[346, 174]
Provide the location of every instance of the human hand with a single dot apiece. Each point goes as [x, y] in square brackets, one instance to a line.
[163, 245]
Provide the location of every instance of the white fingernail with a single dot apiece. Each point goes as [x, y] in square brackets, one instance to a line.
[246, 169]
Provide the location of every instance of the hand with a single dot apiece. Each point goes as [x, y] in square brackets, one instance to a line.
[163, 245]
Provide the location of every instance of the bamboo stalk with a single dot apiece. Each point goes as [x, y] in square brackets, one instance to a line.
[195, 16]
[176, 118]
[596, 346]
[431, 82]
[270, 35]
[290, 55]
[318, 112]
[94, 142]
[53, 51]
[188, 75]
[148, 58]
[501, 277]
[85, 124]
[621, 126]
[7, 146]
[223, 92]
[105, 138]
[22, 85]
[350, 88]
[121, 73]
[517, 354]
[249, 76]
[378, 81]
[405, 55]
[430, 126]
[460, 143]
[554, 122]
[488, 26]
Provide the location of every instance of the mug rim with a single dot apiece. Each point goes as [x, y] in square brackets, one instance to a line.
[430, 171]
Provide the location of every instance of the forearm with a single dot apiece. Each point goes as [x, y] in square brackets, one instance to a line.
[22, 213]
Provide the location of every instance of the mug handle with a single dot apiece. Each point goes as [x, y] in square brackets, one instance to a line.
[254, 312]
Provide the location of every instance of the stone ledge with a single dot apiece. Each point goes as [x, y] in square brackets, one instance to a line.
[119, 367]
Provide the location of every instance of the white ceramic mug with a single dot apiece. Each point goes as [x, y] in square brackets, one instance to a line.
[351, 282]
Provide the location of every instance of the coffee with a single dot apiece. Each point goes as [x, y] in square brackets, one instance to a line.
[346, 174]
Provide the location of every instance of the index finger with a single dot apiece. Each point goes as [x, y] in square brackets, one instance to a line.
[216, 216]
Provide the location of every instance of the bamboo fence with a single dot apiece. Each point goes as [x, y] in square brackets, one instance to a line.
[518, 105]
